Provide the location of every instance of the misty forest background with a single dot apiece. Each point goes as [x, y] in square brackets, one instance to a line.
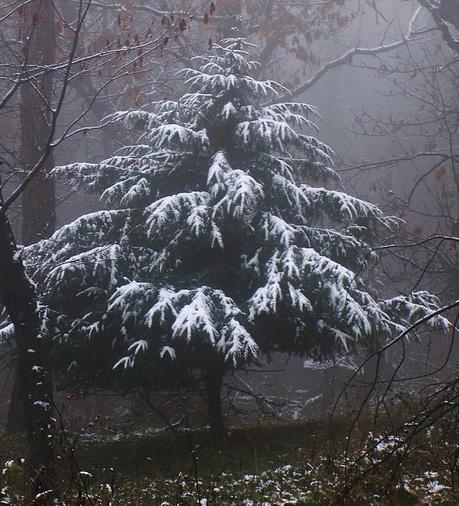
[229, 266]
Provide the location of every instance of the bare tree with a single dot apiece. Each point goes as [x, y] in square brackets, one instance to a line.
[414, 409]
[44, 81]
[424, 138]
[17, 293]
[38, 29]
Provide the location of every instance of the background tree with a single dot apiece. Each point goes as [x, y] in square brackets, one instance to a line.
[423, 139]
[32, 69]
[18, 299]
[39, 32]
[417, 179]
[38, 37]
[38, 200]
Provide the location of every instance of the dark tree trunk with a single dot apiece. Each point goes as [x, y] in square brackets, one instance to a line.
[38, 199]
[17, 294]
[39, 207]
[16, 418]
[85, 87]
[330, 388]
[214, 380]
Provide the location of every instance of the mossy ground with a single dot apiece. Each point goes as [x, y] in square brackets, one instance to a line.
[264, 464]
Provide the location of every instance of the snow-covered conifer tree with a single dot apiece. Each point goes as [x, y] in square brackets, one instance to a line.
[220, 240]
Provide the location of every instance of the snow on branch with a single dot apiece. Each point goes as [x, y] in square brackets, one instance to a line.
[207, 315]
[406, 310]
[242, 194]
[174, 135]
[216, 227]
[174, 208]
[270, 134]
[343, 207]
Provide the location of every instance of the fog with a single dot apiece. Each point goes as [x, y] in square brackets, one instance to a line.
[196, 257]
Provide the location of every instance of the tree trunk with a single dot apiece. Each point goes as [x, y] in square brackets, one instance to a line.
[16, 418]
[38, 199]
[17, 294]
[214, 380]
[38, 208]
[329, 389]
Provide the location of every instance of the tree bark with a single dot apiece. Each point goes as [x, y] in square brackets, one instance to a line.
[214, 380]
[38, 199]
[16, 418]
[39, 206]
[17, 294]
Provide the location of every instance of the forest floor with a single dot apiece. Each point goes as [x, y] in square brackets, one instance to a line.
[267, 464]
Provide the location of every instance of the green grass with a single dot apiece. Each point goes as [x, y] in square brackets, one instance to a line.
[251, 448]
[284, 463]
